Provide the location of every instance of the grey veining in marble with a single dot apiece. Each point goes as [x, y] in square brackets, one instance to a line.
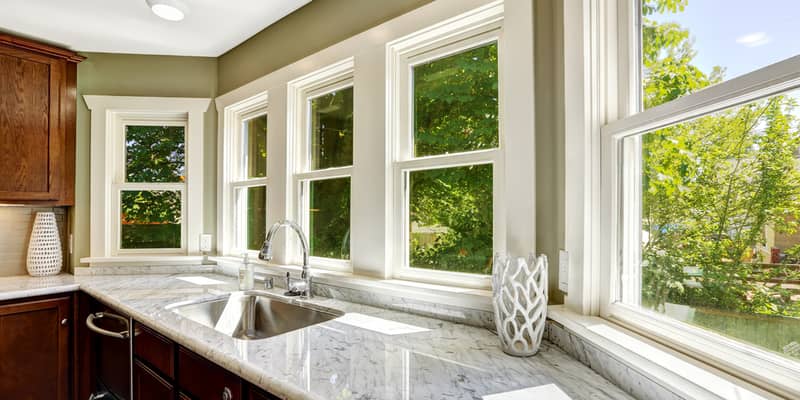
[335, 360]
[144, 269]
[609, 367]
[15, 287]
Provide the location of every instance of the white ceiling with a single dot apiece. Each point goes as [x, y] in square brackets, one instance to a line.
[211, 27]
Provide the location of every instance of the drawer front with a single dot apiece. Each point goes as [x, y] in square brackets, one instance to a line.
[204, 380]
[155, 350]
[257, 394]
[148, 385]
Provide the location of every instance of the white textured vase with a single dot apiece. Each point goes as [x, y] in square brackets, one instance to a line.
[44, 248]
[520, 302]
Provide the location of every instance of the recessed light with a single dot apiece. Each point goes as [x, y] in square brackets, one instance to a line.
[170, 10]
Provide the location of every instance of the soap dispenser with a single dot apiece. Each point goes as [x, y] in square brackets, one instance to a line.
[246, 273]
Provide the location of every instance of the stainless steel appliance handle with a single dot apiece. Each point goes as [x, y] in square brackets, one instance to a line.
[119, 335]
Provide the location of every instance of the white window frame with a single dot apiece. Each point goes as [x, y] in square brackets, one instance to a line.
[301, 91]
[608, 75]
[110, 115]
[119, 183]
[231, 222]
[468, 32]
[373, 222]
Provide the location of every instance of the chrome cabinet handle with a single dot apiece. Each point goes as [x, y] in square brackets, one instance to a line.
[226, 394]
[64, 322]
[119, 335]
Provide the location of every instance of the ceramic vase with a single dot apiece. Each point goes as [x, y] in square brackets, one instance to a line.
[520, 302]
[44, 248]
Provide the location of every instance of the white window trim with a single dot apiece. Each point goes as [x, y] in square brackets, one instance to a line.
[372, 183]
[229, 164]
[107, 114]
[300, 92]
[601, 72]
[467, 31]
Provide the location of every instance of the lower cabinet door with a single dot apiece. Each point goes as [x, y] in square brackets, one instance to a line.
[147, 385]
[204, 380]
[34, 349]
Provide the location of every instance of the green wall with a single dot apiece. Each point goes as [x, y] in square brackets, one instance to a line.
[312, 28]
[141, 75]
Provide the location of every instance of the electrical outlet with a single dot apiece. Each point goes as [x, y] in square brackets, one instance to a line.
[205, 242]
[563, 270]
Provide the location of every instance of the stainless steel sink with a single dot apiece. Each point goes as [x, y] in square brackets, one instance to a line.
[253, 314]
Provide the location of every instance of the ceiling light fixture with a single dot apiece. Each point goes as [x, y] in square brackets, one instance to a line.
[170, 10]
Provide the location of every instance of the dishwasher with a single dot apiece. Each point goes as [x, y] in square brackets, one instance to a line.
[111, 351]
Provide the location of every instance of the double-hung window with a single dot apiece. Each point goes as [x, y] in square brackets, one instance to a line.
[323, 140]
[150, 188]
[447, 161]
[146, 178]
[249, 187]
[702, 187]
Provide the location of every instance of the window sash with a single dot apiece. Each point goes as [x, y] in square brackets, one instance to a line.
[116, 210]
[303, 188]
[620, 215]
[305, 139]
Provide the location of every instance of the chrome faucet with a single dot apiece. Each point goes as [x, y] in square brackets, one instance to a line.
[295, 287]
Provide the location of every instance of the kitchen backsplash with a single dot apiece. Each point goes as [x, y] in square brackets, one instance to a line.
[15, 231]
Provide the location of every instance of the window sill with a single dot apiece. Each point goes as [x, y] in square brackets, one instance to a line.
[685, 377]
[477, 299]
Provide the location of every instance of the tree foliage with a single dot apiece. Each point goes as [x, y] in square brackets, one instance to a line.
[713, 186]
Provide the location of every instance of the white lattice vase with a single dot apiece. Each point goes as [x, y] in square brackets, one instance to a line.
[520, 302]
[44, 248]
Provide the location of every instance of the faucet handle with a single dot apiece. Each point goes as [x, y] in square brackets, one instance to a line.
[269, 283]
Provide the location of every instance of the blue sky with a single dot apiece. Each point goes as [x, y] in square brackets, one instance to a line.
[741, 35]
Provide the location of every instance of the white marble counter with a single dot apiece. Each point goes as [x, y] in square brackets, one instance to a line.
[15, 287]
[337, 360]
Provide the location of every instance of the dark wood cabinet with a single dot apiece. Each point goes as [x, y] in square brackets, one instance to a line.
[37, 122]
[35, 349]
[204, 380]
[148, 385]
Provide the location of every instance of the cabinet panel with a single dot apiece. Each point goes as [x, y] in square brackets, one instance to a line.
[34, 349]
[256, 394]
[37, 122]
[204, 380]
[155, 349]
[147, 385]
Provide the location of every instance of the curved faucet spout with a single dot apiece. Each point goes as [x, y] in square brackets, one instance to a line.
[266, 249]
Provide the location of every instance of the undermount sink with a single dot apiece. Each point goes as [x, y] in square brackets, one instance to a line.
[253, 315]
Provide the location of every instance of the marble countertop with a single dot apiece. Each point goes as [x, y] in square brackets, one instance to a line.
[15, 287]
[365, 355]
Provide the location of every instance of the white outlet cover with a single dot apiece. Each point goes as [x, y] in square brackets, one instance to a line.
[205, 242]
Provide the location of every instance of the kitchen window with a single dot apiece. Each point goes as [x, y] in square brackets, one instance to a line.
[249, 188]
[151, 188]
[375, 188]
[448, 152]
[701, 189]
[323, 138]
[146, 178]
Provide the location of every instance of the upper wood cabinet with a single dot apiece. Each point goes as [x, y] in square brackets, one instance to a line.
[37, 122]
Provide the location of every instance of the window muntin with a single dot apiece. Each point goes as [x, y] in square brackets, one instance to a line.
[331, 129]
[456, 102]
[250, 184]
[689, 45]
[150, 219]
[450, 219]
[720, 201]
